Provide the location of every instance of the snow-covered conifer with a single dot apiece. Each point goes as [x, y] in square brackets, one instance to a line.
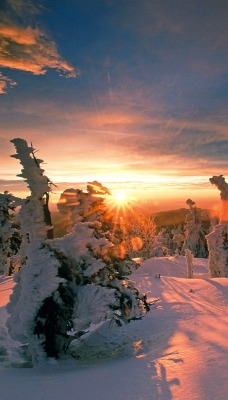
[160, 245]
[38, 277]
[98, 278]
[217, 239]
[194, 233]
[178, 239]
[66, 284]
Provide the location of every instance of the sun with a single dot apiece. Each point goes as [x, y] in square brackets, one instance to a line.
[119, 196]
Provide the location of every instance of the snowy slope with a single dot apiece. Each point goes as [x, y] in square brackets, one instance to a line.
[178, 351]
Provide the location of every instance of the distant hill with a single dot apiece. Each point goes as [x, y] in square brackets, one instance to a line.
[170, 218]
[162, 219]
[177, 217]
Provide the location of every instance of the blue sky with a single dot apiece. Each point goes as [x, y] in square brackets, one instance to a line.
[123, 91]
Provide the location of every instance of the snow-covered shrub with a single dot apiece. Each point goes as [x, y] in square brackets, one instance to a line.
[217, 239]
[64, 285]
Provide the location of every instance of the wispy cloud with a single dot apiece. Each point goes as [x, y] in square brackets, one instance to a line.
[130, 140]
[27, 48]
[5, 83]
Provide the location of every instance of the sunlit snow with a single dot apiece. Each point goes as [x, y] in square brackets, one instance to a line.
[177, 351]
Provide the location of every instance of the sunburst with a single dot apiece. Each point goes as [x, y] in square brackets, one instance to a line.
[120, 197]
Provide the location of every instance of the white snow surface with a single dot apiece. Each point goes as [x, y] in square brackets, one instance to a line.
[179, 350]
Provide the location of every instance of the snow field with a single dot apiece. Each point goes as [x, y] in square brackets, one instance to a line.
[177, 351]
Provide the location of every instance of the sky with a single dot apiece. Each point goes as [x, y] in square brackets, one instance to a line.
[132, 93]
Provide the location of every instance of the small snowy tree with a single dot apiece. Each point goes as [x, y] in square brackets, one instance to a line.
[160, 244]
[67, 284]
[141, 233]
[217, 239]
[193, 231]
[178, 239]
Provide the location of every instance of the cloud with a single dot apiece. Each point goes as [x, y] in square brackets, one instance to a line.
[128, 133]
[5, 83]
[28, 49]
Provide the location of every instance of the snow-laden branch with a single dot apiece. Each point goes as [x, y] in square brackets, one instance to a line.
[39, 185]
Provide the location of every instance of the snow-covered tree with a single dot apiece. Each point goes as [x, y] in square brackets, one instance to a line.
[97, 279]
[178, 239]
[10, 238]
[193, 232]
[78, 205]
[38, 277]
[90, 205]
[160, 244]
[140, 236]
[143, 239]
[217, 239]
[67, 284]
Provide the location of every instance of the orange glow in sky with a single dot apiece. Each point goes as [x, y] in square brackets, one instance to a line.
[143, 109]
